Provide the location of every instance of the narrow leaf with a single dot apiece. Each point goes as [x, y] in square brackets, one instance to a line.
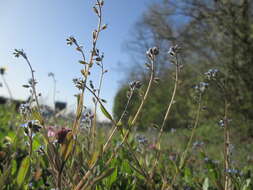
[23, 171]
[105, 112]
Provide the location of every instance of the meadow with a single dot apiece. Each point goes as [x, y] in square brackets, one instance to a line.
[42, 151]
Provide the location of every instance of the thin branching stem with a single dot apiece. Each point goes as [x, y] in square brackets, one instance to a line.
[96, 106]
[158, 141]
[152, 75]
[184, 154]
[227, 181]
[81, 183]
[33, 84]
[87, 67]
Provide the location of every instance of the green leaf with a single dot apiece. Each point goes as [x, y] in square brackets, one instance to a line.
[205, 184]
[36, 143]
[23, 171]
[105, 112]
[94, 158]
[113, 177]
[13, 167]
[187, 175]
[36, 115]
[246, 186]
[67, 146]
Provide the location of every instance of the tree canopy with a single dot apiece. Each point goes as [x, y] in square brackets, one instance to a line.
[212, 34]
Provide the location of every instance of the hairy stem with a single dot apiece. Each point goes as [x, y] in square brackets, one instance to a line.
[158, 141]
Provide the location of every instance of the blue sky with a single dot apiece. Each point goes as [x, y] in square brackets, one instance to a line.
[40, 27]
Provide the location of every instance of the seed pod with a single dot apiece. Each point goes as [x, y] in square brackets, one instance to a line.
[104, 27]
[26, 86]
[94, 34]
[95, 10]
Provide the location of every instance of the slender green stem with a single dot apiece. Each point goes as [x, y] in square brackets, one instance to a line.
[96, 105]
[152, 74]
[158, 141]
[227, 181]
[81, 183]
[87, 68]
[184, 154]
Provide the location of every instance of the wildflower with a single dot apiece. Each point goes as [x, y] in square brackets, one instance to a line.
[197, 144]
[79, 83]
[206, 159]
[152, 52]
[232, 171]
[201, 87]
[61, 134]
[141, 139]
[173, 50]
[152, 146]
[31, 127]
[135, 84]
[172, 130]
[24, 109]
[221, 123]
[86, 120]
[51, 131]
[216, 161]
[211, 73]
[187, 188]
[231, 148]
[173, 156]
[155, 50]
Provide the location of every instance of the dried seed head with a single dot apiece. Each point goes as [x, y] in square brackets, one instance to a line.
[155, 50]
[50, 74]
[174, 50]
[20, 52]
[135, 85]
[79, 83]
[211, 74]
[152, 52]
[71, 40]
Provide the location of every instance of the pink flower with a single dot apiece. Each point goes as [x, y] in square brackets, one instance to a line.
[58, 133]
[51, 131]
[152, 146]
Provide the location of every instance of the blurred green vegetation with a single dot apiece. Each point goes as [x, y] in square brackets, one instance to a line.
[212, 34]
[205, 161]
